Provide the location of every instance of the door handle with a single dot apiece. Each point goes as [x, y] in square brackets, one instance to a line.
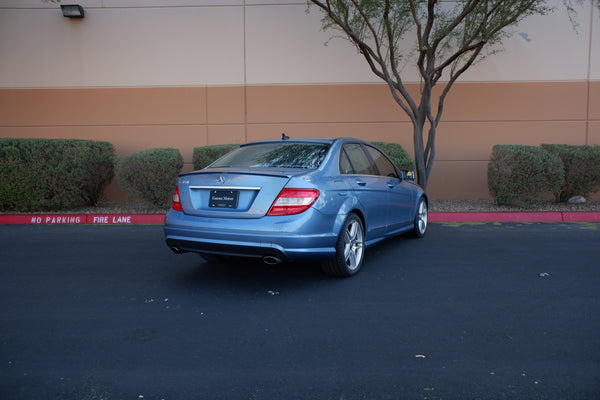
[361, 183]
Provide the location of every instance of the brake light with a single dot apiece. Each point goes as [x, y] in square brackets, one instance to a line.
[293, 201]
[176, 200]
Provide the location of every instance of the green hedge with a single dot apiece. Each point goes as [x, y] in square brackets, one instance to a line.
[49, 174]
[582, 169]
[521, 175]
[206, 155]
[150, 175]
[397, 154]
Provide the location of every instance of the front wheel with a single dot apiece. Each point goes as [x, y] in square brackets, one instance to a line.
[349, 249]
[420, 222]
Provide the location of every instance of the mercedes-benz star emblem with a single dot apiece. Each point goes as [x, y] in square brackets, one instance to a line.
[221, 180]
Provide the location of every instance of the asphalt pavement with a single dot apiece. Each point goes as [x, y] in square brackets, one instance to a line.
[472, 311]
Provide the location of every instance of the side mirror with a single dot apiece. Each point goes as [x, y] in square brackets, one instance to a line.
[408, 175]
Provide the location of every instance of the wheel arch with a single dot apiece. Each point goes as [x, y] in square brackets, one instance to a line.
[360, 215]
[351, 205]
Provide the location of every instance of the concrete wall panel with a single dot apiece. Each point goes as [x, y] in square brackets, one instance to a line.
[516, 101]
[118, 106]
[458, 180]
[166, 46]
[594, 101]
[226, 105]
[594, 70]
[322, 103]
[284, 45]
[594, 132]
[232, 42]
[226, 134]
[473, 141]
[541, 48]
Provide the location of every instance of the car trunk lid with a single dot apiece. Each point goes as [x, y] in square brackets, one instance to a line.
[230, 194]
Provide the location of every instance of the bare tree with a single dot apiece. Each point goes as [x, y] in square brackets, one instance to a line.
[448, 38]
[572, 5]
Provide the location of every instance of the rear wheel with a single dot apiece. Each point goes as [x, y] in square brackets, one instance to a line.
[349, 249]
[420, 223]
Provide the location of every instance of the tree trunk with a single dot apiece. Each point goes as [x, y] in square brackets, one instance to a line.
[419, 147]
[423, 155]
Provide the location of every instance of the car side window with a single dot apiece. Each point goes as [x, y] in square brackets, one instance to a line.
[345, 165]
[354, 160]
[383, 165]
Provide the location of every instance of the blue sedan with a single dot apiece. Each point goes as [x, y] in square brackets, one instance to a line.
[296, 199]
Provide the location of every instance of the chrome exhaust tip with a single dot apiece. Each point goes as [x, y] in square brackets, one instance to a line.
[176, 250]
[271, 260]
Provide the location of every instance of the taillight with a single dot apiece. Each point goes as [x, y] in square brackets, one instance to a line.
[176, 200]
[293, 201]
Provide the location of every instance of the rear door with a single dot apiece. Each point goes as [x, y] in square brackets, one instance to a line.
[401, 200]
[370, 189]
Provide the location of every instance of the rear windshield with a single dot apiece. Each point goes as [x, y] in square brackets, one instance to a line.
[275, 155]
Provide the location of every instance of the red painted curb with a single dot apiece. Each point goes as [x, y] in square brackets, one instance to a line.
[125, 219]
[507, 216]
[581, 216]
[43, 219]
[158, 219]
[81, 219]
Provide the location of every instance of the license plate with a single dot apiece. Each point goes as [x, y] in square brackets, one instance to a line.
[224, 198]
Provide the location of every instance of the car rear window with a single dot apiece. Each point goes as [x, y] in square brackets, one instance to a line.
[275, 155]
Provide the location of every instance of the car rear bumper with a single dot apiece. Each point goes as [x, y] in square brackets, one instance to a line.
[298, 237]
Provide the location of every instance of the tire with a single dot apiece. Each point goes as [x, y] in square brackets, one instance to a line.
[349, 249]
[420, 223]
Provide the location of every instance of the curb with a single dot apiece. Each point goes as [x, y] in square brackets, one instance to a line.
[158, 219]
[508, 216]
[82, 219]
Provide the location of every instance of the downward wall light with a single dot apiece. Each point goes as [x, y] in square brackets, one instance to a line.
[72, 10]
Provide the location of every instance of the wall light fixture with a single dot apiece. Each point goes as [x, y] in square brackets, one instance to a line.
[72, 10]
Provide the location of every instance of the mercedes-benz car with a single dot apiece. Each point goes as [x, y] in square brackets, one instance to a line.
[296, 199]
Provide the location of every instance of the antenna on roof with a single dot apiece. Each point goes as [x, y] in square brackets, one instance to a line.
[284, 136]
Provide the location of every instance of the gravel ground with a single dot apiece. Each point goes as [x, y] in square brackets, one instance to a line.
[436, 205]
[489, 205]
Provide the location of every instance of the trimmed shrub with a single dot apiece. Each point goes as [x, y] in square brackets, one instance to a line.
[582, 169]
[50, 174]
[397, 154]
[150, 175]
[206, 155]
[521, 175]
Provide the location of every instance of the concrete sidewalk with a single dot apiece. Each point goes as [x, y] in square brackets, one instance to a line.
[157, 219]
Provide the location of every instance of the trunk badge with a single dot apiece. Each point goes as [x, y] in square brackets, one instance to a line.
[221, 180]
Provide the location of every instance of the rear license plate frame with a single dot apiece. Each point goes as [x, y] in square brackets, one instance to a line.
[224, 198]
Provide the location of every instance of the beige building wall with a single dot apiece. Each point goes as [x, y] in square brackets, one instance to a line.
[186, 73]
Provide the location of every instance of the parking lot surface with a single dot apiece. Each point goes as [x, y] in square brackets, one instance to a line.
[488, 310]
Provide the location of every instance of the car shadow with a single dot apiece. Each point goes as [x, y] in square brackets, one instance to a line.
[254, 276]
[249, 275]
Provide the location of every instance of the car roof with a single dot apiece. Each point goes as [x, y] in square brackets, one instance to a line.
[303, 140]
